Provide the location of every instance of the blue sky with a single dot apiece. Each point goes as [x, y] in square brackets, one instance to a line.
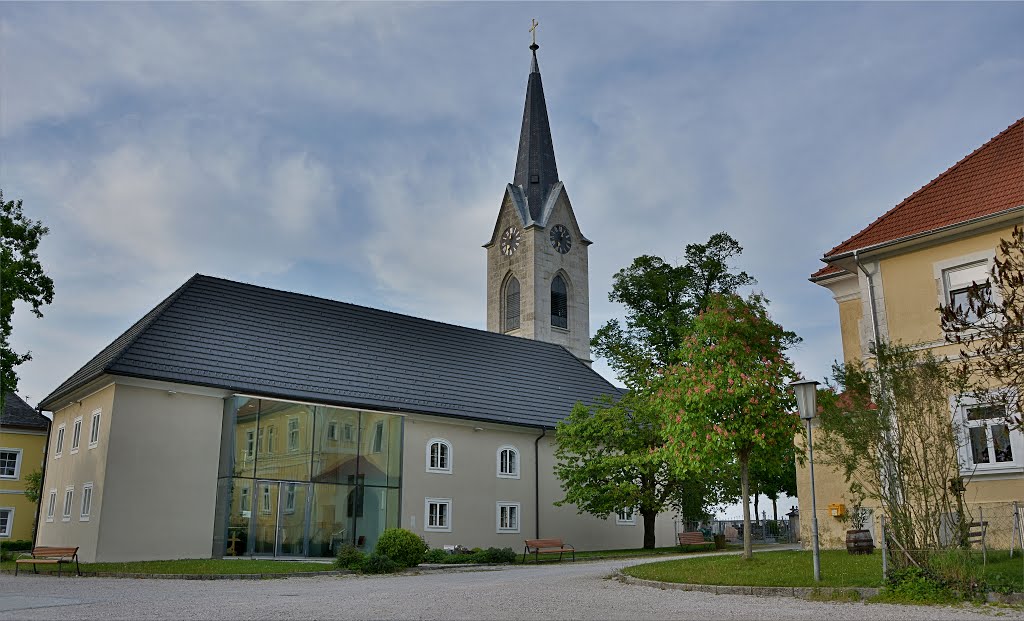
[360, 151]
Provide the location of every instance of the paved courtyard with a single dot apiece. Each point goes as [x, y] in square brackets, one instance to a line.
[558, 591]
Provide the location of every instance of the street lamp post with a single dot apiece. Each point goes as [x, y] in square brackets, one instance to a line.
[807, 404]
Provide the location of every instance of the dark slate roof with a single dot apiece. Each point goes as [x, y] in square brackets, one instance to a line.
[249, 339]
[17, 413]
[536, 172]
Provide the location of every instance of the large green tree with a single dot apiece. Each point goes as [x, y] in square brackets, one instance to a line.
[610, 459]
[660, 301]
[726, 398]
[21, 279]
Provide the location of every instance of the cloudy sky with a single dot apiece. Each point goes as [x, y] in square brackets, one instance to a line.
[360, 151]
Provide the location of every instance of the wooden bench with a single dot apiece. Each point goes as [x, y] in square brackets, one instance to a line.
[536, 547]
[695, 538]
[49, 555]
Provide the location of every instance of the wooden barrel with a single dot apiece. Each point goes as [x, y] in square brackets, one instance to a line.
[859, 542]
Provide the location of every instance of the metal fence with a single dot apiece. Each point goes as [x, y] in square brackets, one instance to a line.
[762, 531]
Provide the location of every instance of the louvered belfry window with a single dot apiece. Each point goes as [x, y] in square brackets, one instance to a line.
[512, 305]
[559, 303]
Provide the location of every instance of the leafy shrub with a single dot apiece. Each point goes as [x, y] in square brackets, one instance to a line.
[19, 545]
[379, 564]
[404, 547]
[436, 555]
[349, 557]
[916, 586]
[494, 555]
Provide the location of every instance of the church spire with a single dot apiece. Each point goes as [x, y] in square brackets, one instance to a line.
[535, 164]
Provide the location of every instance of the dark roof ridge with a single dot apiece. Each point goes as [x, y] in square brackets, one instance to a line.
[322, 299]
[931, 183]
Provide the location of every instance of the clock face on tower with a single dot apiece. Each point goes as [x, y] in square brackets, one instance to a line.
[561, 240]
[510, 240]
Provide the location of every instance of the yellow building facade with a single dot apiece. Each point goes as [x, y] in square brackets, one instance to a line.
[888, 281]
[22, 448]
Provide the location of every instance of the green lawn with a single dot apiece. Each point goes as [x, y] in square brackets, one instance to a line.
[190, 566]
[795, 569]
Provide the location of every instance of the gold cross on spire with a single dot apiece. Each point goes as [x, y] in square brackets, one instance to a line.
[533, 29]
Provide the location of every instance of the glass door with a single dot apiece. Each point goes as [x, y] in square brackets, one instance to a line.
[281, 522]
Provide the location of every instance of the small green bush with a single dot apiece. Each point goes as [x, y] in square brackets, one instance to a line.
[404, 547]
[494, 555]
[435, 555]
[914, 585]
[19, 545]
[349, 557]
[379, 564]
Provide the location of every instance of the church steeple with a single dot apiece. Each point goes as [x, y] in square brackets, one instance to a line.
[536, 171]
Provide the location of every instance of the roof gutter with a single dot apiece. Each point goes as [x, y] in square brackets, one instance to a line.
[999, 215]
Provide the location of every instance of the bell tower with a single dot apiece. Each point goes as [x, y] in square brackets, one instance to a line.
[537, 273]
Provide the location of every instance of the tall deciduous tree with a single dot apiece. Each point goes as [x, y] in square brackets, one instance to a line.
[726, 398]
[21, 279]
[661, 301]
[990, 329]
[610, 459]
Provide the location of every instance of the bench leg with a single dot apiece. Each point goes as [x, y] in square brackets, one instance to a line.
[525, 550]
[58, 568]
[79, 569]
[35, 570]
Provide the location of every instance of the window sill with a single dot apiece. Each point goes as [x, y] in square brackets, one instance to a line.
[985, 470]
[558, 329]
[83, 519]
[436, 529]
[439, 471]
[93, 445]
[507, 531]
[508, 476]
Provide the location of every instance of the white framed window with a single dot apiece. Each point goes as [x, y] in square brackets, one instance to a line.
[271, 438]
[378, 437]
[332, 431]
[626, 517]
[958, 280]
[94, 429]
[10, 463]
[6, 521]
[69, 498]
[86, 502]
[293, 434]
[439, 456]
[507, 515]
[51, 505]
[76, 434]
[58, 447]
[243, 501]
[990, 443]
[508, 462]
[437, 515]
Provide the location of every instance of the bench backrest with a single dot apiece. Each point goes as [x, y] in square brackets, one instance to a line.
[691, 538]
[53, 551]
[544, 543]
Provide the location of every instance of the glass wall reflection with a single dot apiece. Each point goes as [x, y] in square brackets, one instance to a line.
[306, 479]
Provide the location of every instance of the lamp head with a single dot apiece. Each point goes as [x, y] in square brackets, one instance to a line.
[806, 398]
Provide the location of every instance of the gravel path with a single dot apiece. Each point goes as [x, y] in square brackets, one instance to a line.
[559, 591]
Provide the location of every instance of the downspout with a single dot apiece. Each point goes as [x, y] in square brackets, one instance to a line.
[42, 482]
[871, 298]
[536, 481]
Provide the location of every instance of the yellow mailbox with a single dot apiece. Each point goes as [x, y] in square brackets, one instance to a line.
[837, 509]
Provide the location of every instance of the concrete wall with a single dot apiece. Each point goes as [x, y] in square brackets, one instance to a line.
[75, 469]
[475, 489]
[161, 475]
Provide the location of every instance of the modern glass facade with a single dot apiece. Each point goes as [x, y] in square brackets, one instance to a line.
[301, 480]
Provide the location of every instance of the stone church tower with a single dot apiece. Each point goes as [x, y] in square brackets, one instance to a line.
[537, 275]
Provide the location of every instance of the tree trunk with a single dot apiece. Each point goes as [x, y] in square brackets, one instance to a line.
[649, 518]
[748, 547]
[775, 510]
[757, 499]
